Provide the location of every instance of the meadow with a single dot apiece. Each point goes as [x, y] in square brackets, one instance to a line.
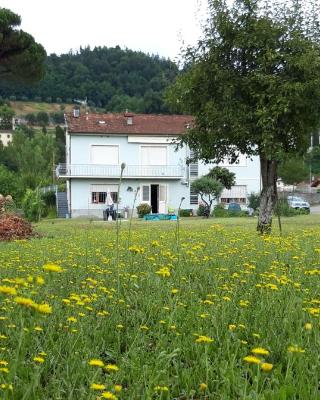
[214, 312]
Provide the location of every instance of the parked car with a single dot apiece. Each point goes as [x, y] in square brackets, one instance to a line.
[233, 207]
[298, 203]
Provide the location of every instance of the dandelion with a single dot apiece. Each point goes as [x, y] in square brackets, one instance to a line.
[252, 360]
[52, 268]
[111, 368]
[203, 386]
[164, 272]
[72, 319]
[5, 370]
[96, 363]
[308, 326]
[43, 308]
[295, 349]
[38, 359]
[97, 386]
[204, 339]
[232, 327]
[260, 351]
[161, 389]
[266, 367]
[24, 301]
[8, 290]
[117, 388]
[109, 395]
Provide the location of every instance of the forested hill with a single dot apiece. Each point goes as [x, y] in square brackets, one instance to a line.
[111, 78]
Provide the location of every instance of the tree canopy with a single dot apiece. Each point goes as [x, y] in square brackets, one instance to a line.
[114, 79]
[253, 86]
[21, 58]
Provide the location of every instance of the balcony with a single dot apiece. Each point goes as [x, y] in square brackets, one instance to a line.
[113, 171]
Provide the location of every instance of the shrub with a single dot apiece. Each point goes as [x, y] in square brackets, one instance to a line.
[254, 200]
[33, 205]
[49, 198]
[201, 210]
[143, 209]
[186, 212]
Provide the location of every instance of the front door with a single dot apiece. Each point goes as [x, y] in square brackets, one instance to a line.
[162, 199]
[154, 201]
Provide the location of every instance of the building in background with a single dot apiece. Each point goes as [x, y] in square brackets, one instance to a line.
[97, 144]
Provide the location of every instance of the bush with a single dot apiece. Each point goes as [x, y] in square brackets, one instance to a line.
[283, 209]
[186, 212]
[143, 209]
[49, 198]
[220, 212]
[201, 210]
[33, 205]
[254, 200]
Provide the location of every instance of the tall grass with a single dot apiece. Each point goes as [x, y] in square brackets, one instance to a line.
[169, 330]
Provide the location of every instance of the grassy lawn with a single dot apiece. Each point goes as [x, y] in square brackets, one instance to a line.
[216, 312]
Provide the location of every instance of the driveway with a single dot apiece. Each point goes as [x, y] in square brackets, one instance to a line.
[315, 209]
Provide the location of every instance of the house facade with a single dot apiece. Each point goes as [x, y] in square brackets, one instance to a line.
[155, 169]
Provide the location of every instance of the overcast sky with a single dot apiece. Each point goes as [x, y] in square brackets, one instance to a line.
[153, 26]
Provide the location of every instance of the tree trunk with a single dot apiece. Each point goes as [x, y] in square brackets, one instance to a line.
[268, 194]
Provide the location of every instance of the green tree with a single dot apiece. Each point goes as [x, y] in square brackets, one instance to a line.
[9, 183]
[253, 86]
[43, 118]
[293, 170]
[209, 189]
[31, 118]
[6, 115]
[223, 175]
[21, 58]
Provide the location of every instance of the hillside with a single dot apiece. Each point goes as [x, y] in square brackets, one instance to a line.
[110, 78]
[22, 108]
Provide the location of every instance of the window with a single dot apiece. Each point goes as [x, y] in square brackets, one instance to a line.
[153, 155]
[237, 194]
[145, 193]
[99, 193]
[106, 155]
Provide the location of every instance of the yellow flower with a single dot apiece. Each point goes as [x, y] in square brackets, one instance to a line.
[40, 280]
[109, 395]
[38, 329]
[161, 389]
[252, 360]
[72, 319]
[97, 386]
[204, 339]
[232, 327]
[117, 388]
[8, 290]
[174, 291]
[295, 349]
[164, 272]
[43, 308]
[266, 367]
[96, 363]
[52, 268]
[308, 326]
[203, 386]
[38, 359]
[4, 370]
[111, 368]
[260, 351]
[24, 301]
[4, 363]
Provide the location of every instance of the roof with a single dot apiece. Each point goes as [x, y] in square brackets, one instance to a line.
[142, 124]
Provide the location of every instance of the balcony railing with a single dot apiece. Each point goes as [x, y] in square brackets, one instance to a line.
[113, 171]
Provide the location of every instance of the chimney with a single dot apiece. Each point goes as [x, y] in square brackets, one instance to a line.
[76, 112]
[129, 117]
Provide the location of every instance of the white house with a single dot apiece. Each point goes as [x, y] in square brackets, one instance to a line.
[97, 144]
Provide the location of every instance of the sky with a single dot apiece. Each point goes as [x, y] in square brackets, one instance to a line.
[153, 26]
